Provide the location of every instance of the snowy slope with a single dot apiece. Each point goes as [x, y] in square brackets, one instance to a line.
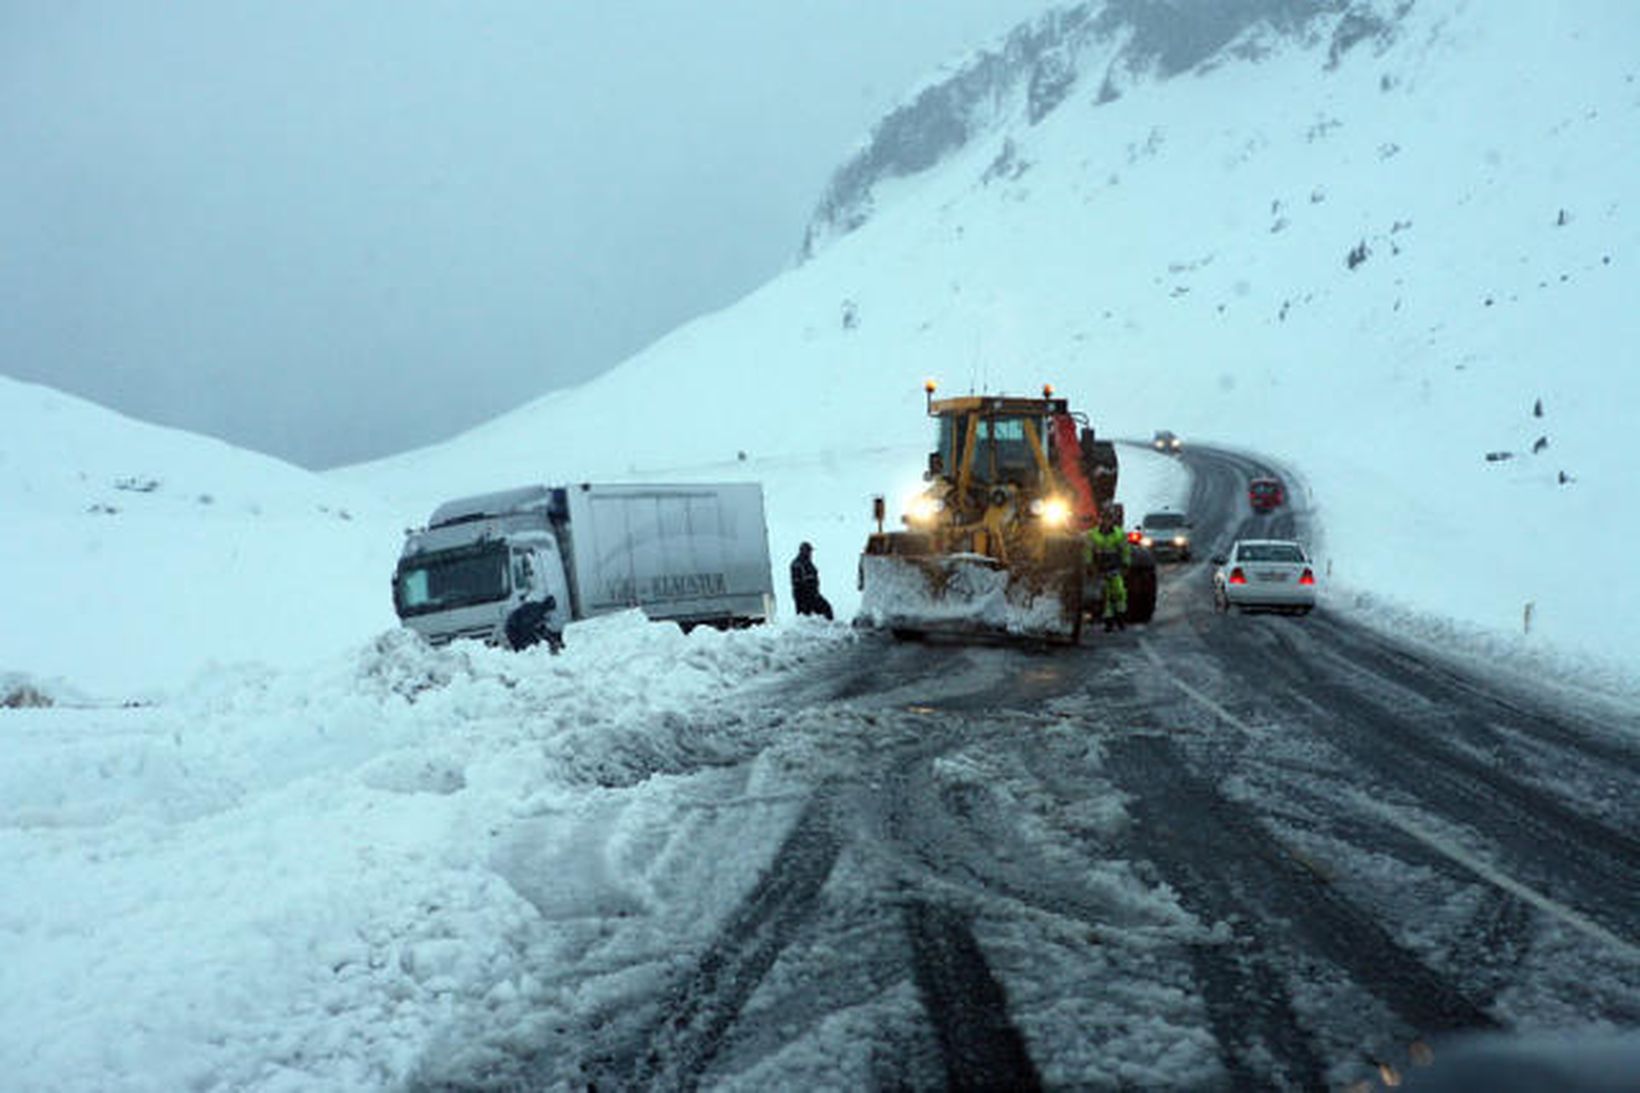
[138, 555]
[309, 879]
[1180, 256]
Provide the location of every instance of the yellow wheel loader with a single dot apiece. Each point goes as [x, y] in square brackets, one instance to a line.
[994, 543]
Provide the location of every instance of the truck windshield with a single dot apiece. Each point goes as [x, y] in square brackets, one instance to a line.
[446, 579]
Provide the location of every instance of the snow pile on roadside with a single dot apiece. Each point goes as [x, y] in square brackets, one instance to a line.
[295, 880]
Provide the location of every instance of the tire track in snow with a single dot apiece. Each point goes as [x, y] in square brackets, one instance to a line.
[1549, 843]
[1228, 870]
[978, 1042]
[705, 1005]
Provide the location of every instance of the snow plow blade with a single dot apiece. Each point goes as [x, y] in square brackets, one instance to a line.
[968, 594]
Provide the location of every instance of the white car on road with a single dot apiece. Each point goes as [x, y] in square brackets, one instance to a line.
[1264, 575]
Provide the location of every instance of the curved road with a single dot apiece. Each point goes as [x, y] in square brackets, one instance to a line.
[1220, 851]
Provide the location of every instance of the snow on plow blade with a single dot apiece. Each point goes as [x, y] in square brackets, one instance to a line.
[967, 594]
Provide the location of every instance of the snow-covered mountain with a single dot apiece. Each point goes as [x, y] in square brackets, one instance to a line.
[1111, 46]
[136, 555]
[1385, 242]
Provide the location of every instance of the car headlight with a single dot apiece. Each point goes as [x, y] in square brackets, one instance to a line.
[1180, 541]
[1145, 540]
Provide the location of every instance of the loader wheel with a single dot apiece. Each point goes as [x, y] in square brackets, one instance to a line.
[1141, 593]
[1073, 596]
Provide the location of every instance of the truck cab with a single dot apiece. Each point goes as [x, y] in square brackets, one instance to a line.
[492, 573]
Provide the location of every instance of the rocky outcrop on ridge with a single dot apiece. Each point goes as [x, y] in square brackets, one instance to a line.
[1094, 51]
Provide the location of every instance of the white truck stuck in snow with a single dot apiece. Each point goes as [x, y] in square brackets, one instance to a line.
[514, 568]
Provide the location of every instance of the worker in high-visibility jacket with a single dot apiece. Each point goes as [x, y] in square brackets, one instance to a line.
[1107, 553]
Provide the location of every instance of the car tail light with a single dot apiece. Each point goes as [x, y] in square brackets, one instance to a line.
[1308, 577]
[1134, 536]
[1237, 576]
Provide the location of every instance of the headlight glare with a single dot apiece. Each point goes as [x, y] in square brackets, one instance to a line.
[923, 509]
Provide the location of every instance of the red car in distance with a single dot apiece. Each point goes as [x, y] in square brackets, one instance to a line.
[1265, 494]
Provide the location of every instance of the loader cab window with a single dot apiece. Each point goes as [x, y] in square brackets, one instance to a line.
[1010, 450]
[949, 433]
[1002, 450]
[446, 579]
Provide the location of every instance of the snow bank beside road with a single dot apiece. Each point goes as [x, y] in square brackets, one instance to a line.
[298, 880]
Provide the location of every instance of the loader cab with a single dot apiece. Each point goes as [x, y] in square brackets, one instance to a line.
[991, 440]
[1002, 449]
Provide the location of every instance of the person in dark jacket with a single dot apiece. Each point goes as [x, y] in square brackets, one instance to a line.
[806, 584]
[530, 625]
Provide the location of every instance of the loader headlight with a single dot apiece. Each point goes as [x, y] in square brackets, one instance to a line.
[1052, 511]
[923, 509]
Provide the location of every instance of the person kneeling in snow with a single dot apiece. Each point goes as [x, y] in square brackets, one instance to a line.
[529, 625]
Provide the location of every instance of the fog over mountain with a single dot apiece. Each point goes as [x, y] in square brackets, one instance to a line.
[333, 233]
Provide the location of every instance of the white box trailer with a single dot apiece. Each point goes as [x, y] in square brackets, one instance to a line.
[515, 567]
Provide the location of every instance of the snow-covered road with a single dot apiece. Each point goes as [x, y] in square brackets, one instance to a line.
[1216, 852]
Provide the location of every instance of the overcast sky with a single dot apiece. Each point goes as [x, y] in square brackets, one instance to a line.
[332, 232]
